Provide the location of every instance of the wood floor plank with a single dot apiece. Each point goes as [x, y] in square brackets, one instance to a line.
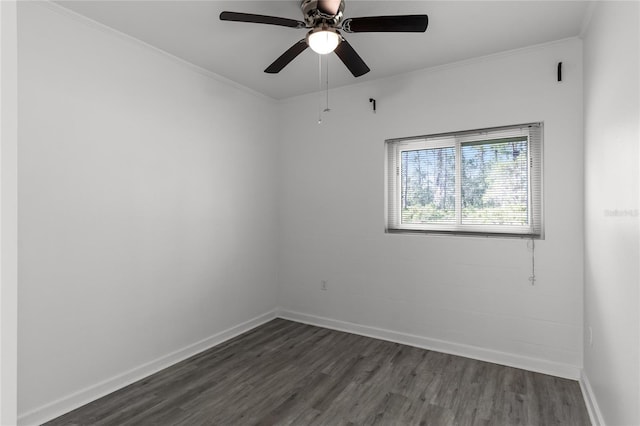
[287, 373]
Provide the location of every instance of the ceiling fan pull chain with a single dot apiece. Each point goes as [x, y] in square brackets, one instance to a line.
[327, 76]
[319, 89]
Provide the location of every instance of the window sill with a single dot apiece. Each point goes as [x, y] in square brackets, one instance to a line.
[464, 234]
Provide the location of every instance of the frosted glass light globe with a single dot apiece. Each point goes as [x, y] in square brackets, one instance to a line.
[323, 42]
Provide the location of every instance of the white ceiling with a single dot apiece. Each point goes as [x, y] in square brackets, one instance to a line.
[458, 30]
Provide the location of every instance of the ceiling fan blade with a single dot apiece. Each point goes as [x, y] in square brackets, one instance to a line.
[351, 59]
[261, 19]
[396, 23]
[287, 57]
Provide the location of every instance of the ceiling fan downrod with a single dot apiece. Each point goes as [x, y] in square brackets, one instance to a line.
[322, 12]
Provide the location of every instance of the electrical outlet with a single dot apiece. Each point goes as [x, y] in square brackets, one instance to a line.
[323, 285]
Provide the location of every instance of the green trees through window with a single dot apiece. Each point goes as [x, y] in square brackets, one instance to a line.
[428, 186]
[495, 183]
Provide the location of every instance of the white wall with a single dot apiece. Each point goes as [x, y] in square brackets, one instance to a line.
[146, 208]
[612, 183]
[458, 294]
[8, 213]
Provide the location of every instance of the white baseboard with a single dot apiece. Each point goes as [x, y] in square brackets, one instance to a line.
[595, 415]
[77, 399]
[504, 358]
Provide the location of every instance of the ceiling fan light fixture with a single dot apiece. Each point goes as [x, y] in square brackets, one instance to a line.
[323, 41]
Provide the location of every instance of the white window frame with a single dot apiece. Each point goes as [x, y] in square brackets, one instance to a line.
[533, 132]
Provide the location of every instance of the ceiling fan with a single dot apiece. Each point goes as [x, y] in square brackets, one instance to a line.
[324, 19]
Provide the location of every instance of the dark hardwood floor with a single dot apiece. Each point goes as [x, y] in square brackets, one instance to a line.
[285, 373]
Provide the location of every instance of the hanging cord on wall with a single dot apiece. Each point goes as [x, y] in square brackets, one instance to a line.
[531, 245]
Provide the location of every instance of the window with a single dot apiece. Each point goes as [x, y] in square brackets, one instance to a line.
[486, 182]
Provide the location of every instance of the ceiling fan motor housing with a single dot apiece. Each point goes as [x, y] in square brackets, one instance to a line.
[322, 13]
